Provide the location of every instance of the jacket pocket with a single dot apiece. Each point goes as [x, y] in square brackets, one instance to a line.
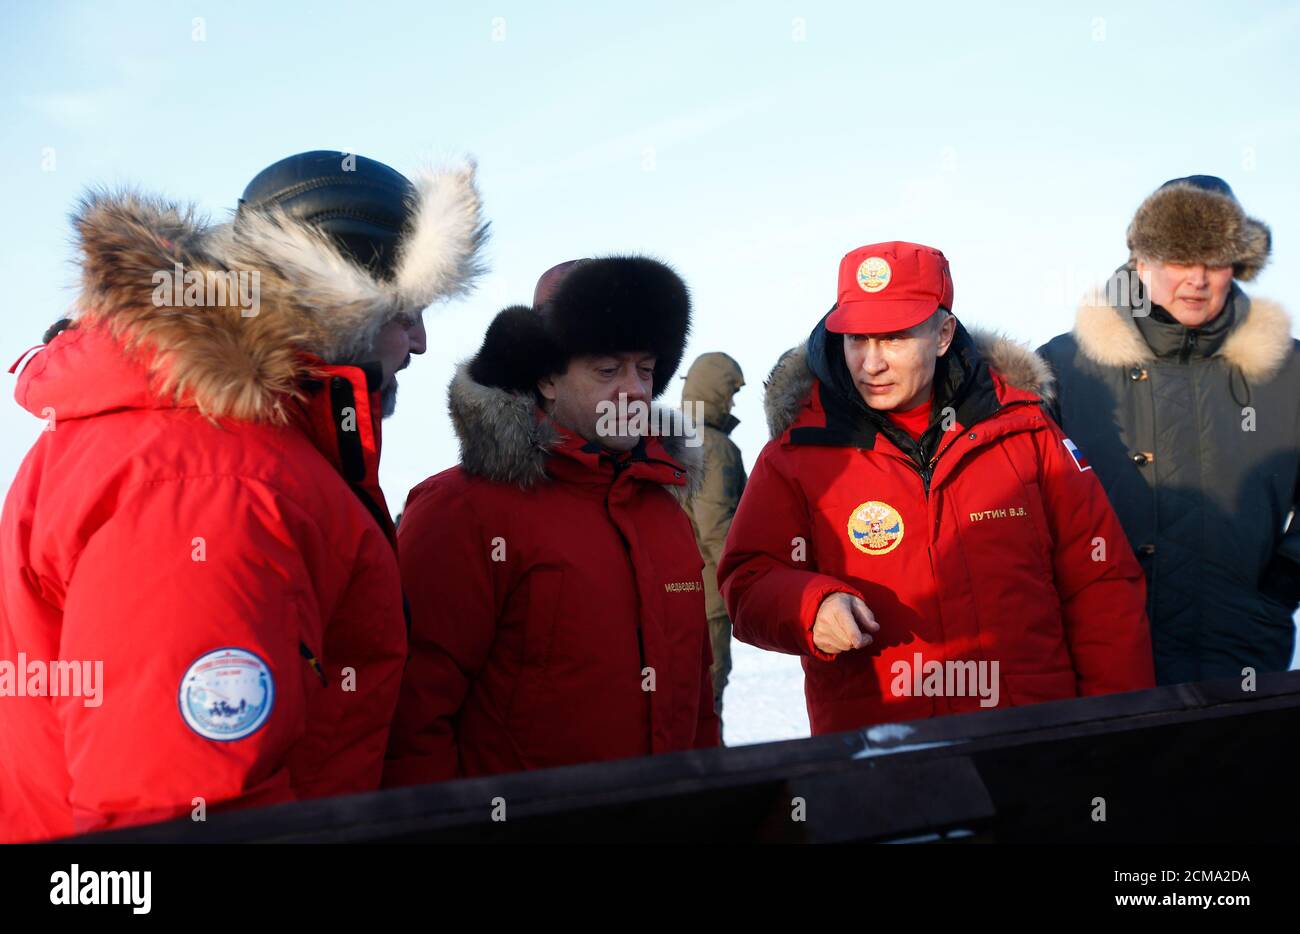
[530, 696]
[309, 707]
[542, 607]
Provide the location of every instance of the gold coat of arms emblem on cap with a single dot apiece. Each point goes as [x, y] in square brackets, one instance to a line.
[873, 274]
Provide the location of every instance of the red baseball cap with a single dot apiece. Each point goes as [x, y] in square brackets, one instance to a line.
[890, 287]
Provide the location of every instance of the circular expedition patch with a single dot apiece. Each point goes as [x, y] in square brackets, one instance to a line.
[227, 694]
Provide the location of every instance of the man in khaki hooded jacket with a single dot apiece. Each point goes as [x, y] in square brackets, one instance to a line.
[712, 383]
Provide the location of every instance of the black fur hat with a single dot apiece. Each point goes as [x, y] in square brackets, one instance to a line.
[1199, 220]
[614, 304]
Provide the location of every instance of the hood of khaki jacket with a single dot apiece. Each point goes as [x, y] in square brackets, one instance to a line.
[713, 380]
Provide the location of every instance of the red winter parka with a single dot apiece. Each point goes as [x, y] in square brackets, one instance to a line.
[217, 596]
[1001, 550]
[557, 603]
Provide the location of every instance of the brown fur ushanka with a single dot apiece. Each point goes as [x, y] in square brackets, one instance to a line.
[1182, 223]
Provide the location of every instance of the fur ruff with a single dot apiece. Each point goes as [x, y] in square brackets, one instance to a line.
[787, 386]
[312, 300]
[502, 440]
[1258, 346]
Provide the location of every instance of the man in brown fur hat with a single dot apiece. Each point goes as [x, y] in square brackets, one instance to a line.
[1185, 394]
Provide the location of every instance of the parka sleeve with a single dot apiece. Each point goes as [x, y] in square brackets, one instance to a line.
[1101, 587]
[714, 505]
[768, 570]
[708, 730]
[1281, 578]
[192, 599]
[448, 579]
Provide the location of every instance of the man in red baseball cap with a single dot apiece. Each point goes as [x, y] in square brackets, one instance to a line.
[917, 529]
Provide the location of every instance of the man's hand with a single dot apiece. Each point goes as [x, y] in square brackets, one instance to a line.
[843, 623]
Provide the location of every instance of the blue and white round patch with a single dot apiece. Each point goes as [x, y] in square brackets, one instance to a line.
[227, 694]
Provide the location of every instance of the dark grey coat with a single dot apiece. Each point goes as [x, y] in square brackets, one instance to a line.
[1195, 435]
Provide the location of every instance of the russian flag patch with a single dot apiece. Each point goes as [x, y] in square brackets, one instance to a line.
[1079, 460]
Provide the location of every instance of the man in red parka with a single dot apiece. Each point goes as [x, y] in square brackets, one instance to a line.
[557, 603]
[917, 529]
[200, 604]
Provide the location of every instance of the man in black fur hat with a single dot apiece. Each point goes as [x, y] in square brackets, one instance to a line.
[557, 602]
[1185, 394]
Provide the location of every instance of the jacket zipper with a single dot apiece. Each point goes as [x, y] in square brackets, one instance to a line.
[926, 472]
[627, 550]
[640, 638]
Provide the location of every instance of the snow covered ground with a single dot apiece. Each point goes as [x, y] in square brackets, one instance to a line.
[764, 697]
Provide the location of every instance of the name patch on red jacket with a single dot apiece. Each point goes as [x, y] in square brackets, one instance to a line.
[1079, 460]
[875, 528]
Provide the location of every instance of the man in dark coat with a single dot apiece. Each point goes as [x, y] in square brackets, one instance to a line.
[1184, 394]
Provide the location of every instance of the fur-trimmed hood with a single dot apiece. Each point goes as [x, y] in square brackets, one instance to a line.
[1258, 344]
[713, 381]
[787, 386]
[241, 360]
[502, 439]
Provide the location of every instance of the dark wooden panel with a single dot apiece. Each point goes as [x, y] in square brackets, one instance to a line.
[1205, 762]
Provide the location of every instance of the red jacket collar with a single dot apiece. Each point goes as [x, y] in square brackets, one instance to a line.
[85, 371]
[342, 414]
[574, 459]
